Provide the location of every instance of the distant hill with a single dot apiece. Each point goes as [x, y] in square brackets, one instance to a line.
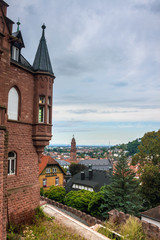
[130, 147]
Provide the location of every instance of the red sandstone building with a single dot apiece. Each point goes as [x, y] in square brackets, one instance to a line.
[73, 152]
[25, 122]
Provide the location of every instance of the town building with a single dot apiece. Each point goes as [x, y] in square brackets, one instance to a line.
[25, 122]
[73, 153]
[89, 179]
[98, 164]
[63, 163]
[50, 173]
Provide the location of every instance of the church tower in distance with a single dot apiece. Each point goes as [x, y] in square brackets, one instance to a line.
[73, 154]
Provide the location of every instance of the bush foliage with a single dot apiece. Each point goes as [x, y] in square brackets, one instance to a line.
[95, 203]
[56, 193]
[79, 199]
[132, 230]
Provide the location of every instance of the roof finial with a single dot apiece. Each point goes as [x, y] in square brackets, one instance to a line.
[43, 27]
[18, 23]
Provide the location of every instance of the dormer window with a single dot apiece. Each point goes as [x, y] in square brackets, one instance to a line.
[15, 53]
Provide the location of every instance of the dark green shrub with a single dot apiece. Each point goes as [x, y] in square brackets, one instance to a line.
[41, 191]
[79, 199]
[95, 203]
[56, 193]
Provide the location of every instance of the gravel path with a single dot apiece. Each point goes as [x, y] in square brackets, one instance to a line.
[73, 224]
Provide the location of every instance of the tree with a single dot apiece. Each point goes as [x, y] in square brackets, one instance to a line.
[122, 193]
[76, 168]
[150, 185]
[148, 159]
[132, 147]
[95, 203]
[149, 149]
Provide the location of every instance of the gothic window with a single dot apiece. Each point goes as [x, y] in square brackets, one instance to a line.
[13, 101]
[49, 111]
[41, 109]
[15, 53]
[12, 159]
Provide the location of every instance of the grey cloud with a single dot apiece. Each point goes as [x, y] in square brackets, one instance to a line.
[153, 6]
[120, 84]
[85, 111]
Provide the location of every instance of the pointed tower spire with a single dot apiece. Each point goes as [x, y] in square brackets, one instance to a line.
[42, 60]
[18, 24]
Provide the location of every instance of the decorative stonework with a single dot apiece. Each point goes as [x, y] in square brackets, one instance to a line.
[41, 128]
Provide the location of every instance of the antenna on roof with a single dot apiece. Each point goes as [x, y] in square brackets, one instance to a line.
[18, 23]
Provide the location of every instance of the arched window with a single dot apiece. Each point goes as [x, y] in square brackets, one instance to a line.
[12, 159]
[13, 101]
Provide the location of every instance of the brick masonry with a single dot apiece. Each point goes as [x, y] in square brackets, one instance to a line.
[3, 181]
[84, 216]
[19, 193]
[152, 231]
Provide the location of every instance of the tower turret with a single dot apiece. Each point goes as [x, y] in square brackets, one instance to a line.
[44, 79]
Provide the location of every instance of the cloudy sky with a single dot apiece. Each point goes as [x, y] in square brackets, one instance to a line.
[106, 58]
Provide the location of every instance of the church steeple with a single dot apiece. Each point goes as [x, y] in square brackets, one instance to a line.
[73, 153]
[42, 61]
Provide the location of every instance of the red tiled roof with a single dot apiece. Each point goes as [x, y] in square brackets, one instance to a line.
[46, 160]
[69, 161]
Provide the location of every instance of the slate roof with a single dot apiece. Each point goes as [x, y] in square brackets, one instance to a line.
[18, 35]
[63, 163]
[42, 60]
[153, 213]
[99, 164]
[24, 62]
[99, 179]
[47, 160]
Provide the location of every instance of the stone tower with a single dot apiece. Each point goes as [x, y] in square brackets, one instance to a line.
[73, 154]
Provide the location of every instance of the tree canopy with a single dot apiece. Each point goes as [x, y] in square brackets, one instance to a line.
[75, 168]
[149, 149]
[148, 159]
[122, 193]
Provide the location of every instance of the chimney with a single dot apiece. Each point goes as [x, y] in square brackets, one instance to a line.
[82, 176]
[90, 174]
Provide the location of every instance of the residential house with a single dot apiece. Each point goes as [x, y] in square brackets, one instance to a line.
[50, 173]
[89, 179]
[98, 164]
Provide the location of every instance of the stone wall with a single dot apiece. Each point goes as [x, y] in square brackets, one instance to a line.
[3, 181]
[151, 230]
[86, 217]
[22, 185]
